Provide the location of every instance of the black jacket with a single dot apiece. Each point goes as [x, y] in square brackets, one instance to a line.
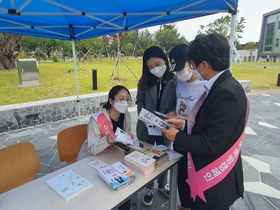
[219, 123]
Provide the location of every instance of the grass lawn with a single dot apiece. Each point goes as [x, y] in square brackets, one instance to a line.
[56, 81]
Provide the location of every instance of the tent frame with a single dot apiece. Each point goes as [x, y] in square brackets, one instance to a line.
[29, 17]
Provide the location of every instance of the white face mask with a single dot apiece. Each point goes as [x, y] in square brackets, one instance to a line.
[197, 74]
[121, 106]
[184, 75]
[158, 71]
[200, 75]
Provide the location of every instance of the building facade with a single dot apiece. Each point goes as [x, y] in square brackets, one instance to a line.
[249, 56]
[269, 45]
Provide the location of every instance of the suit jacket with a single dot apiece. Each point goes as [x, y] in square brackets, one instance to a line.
[148, 100]
[219, 123]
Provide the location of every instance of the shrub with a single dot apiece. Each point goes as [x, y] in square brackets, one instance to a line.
[54, 58]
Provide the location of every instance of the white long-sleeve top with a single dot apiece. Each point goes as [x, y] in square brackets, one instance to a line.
[96, 143]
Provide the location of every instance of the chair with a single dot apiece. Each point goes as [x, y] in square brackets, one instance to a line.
[19, 164]
[69, 142]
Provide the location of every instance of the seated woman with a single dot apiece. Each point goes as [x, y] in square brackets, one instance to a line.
[114, 114]
[102, 125]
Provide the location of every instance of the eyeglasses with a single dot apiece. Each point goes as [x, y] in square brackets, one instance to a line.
[122, 101]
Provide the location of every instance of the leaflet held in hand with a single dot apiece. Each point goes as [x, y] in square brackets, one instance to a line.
[149, 117]
[124, 138]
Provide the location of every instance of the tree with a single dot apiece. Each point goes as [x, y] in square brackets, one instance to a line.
[222, 26]
[48, 46]
[168, 36]
[146, 40]
[139, 40]
[114, 41]
[10, 47]
[31, 43]
[131, 42]
[251, 47]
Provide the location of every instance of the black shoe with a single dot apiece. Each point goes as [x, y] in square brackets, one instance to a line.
[164, 190]
[148, 198]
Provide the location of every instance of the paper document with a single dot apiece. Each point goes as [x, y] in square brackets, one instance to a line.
[97, 164]
[124, 138]
[68, 184]
[149, 117]
[153, 130]
[162, 116]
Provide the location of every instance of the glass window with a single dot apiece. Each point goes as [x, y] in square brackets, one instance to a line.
[269, 36]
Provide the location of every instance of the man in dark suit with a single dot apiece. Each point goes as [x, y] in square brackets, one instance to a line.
[218, 125]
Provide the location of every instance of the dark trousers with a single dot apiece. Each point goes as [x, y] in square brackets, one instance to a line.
[126, 205]
[201, 205]
[162, 180]
[183, 187]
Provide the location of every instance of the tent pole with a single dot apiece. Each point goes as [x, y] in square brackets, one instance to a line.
[76, 79]
[232, 35]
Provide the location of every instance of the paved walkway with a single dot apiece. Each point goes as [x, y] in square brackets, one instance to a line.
[260, 152]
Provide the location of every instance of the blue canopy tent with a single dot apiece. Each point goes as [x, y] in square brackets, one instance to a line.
[76, 20]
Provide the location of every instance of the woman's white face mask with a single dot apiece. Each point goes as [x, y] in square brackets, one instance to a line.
[121, 106]
[158, 71]
[184, 75]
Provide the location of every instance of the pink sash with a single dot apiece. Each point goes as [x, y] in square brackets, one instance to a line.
[213, 173]
[103, 123]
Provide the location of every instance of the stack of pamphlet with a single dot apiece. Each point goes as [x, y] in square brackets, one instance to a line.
[117, 175]
[140, 163]
[161, 157]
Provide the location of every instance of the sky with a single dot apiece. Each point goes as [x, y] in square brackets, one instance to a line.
[251, 10]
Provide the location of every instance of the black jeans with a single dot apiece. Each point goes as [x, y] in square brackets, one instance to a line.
[162, 180]
[126, 205]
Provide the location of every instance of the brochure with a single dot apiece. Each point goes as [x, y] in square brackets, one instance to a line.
[153, 130]
[97, 164]
[173, 155]
[68, 184]
[140, 163]
[124, 138]
[162, 116]
[139, 159]
[117, 175]
[149, 117]
[160, 156]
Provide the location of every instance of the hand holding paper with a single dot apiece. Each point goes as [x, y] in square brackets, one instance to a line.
[175, 122]
[125, 138]
[122, 136]
[162, 116]
[111, 138]
[149, 117]
[170, 133]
